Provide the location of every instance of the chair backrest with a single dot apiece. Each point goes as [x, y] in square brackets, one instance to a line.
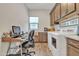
[30, 36]
[31, 39]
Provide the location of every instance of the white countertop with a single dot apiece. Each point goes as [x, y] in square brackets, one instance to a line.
[75, 37]
[72, 36]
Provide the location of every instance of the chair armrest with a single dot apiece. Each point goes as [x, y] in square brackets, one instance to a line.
[24, 36]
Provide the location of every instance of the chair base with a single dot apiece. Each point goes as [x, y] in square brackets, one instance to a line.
[28, 53]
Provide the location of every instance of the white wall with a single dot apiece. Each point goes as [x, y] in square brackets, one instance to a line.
[44, 18]
[13, 14]
[0, 43]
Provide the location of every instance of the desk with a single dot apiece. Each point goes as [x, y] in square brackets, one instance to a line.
[8, 43]
[9, 39]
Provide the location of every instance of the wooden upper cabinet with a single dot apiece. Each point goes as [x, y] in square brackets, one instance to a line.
[57, 12]
[50, 19]
[67, 8]
[63, 9]
[71, 7]
[77, 6]
[53, 18]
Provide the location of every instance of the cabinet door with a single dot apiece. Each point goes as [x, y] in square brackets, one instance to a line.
[51, 22]
[63, 9]
[36, 39]
[77, 6]
[42, 37]
[44, 34]
[52, 18]
[71, 7]
[72, 51]
[57, 12]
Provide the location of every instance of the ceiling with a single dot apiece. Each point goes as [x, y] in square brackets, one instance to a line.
[40, 6]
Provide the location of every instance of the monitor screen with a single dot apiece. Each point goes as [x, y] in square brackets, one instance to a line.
[16, 30]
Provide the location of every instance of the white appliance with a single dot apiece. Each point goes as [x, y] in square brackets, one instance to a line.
[57, 44]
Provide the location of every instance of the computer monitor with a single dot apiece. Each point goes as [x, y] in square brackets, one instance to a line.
[16, 31]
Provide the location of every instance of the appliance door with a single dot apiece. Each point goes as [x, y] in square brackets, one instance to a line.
[59, 45]
[54, 42]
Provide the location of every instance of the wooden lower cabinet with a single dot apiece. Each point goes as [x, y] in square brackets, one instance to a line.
[72, 51]
[41, 38]
[36, 40]
[72, 47]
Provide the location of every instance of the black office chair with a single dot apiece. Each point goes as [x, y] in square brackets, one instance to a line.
[29, 44]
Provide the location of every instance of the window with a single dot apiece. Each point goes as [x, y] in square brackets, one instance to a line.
[33, 23]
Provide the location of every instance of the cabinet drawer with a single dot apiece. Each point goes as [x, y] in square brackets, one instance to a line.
[72, 47]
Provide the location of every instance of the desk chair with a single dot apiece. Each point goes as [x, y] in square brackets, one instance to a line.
[29, 44]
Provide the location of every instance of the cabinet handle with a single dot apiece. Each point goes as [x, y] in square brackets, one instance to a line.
[58, 17]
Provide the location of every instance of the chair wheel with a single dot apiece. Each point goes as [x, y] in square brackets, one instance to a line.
[34, 52]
